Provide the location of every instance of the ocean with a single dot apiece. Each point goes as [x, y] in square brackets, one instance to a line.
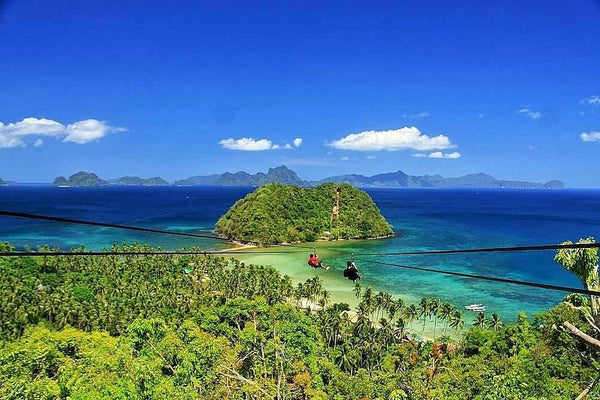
[424, 219]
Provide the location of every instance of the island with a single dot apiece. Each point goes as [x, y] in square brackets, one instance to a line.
[398, 179]
[281, 174]
[3, 182]
[81, 178]
[137, 181]
[84, 179]
[276, 213]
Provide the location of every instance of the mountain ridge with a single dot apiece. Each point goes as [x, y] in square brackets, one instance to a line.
[286, 176]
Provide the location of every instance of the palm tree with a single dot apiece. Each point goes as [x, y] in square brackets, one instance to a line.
[445, 313]
[457, 321]
[495, 322]
[410, 313]
[434, 307]
[479, 320]
[423, 310]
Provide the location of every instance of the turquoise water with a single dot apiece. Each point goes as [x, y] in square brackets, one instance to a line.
[423, 219]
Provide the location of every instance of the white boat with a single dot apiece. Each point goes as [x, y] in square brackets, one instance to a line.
[476, 307]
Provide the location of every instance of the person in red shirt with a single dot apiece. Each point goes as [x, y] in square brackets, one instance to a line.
[314, 262]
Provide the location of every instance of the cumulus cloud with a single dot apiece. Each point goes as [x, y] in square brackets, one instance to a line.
[530, 113]
[438, 154]
[391, 140]
[593, 100]
[370, 157]
[345, 158]
[251, 144]
[590, 137]
[30, 129]
[422, 114]
[246, 144]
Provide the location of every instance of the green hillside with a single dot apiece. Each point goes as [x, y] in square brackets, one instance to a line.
[276, 213]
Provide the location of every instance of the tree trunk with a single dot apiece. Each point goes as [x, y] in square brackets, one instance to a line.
[583, 336]
[587, 390]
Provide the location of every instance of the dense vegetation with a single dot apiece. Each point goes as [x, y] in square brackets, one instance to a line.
[203, 327]
[276, 214]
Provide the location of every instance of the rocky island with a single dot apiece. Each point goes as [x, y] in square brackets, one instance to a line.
[276, 213]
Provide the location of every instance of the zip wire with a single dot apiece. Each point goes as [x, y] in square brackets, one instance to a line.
[127, 253]
[117, 226]
[494, 279]
[105, 225]
[401, 253]
[491, 249]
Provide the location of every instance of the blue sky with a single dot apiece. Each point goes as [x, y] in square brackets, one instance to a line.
[131, 88]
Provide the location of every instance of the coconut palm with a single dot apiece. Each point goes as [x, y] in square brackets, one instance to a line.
[410, 313]
[495, 322]
[479, 320]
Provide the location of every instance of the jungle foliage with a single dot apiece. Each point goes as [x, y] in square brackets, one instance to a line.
[205, 327]
[276, 213]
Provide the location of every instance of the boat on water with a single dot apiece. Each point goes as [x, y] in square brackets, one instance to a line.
[475, 307]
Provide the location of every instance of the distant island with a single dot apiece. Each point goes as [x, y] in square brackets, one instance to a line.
[3, 182]
[401, 180]
[398, 179]
[280, 174]
[276, 213]
[137, 181]
[286, 176]
[82, 179]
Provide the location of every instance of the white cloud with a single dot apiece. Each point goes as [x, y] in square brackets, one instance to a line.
[590, 137]
[345, 158]
[530, 113]
[286, 146]
[391, 140]
[438, 154]
[88, 130]
[481, 115]
[17, 134]
[422, 114]
[593, 100]
[370, 157]
[246, 144]
[251, 144]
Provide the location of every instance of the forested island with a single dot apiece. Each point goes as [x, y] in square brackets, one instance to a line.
[276, 213]
[83, 179]
[286, 176]
[205, 327]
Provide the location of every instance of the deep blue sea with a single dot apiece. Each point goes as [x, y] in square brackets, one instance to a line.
[423, 219]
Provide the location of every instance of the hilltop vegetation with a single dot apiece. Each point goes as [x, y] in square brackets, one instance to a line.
[276, 213]
[204, 327]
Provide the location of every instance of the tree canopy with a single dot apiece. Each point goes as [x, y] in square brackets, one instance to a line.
[276, 213]
[205, 327]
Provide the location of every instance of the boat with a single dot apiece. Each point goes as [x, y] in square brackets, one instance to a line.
[476, 307]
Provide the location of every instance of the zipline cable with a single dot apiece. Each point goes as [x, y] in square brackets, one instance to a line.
[490, 249]
[105, 225]
[400, 253]
[493, 279]
[127, 253]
